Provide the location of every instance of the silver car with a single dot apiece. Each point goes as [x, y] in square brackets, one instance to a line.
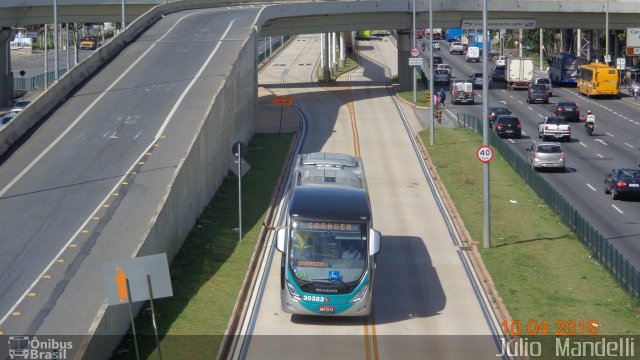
[546, 155]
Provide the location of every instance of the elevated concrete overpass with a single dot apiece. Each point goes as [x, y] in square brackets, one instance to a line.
[316, 17]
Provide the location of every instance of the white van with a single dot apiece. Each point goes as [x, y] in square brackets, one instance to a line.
[473, 54]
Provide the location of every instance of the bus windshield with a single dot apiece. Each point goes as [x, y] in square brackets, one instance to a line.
[328, 252]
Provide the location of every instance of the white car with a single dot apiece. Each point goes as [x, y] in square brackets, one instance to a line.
[436, 45]
[502, 61]
[457, 48]
[19, 105]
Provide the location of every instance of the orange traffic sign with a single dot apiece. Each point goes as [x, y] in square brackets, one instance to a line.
[283, 100]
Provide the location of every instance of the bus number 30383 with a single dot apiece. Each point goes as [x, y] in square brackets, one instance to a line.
[315, 298]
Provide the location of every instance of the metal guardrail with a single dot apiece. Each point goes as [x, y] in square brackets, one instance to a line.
[36, 82]
[603, 251]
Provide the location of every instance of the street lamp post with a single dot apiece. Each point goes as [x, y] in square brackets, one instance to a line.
[606, 33]
[55, 39]
[485, 125]
[413, 45]
[433, 122]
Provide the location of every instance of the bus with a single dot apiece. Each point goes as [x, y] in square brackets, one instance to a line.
[563, 68]
[328, 242]
[598, 79]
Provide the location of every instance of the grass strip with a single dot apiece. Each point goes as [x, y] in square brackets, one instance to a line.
[208, 271]
[541, 270]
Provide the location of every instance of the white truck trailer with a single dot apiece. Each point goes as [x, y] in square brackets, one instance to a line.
[519, 72]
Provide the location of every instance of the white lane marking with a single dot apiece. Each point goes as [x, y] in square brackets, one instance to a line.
[601, 141]
[529, 107]
[637, 123]
[629, 145]
[600, 156]
[504, 102]
[541, 116]
[511, 96]
[193, 81]
[610, 134]
[520, 101]
[615, 113]
[81, 116]
[118, 184]
[583, 144]
[615, 207]
[591, 187]
[511, 141]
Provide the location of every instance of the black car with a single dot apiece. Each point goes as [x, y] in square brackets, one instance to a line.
[567, 110]
[498, 73]
[538, 93]
[620, 182]
[508, 125]
[496, 111]
[437, 60]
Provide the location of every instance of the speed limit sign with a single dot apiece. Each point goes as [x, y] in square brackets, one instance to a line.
[415, 52]
[484, 154]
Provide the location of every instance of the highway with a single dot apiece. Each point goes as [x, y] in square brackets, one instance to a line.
[615, 143]
[81, 190]
[424, 285]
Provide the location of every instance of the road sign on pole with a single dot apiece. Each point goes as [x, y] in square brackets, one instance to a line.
[415, 52]
[485, 154]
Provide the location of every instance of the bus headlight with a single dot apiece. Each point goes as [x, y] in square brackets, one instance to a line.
[360, 295]
[292, 291]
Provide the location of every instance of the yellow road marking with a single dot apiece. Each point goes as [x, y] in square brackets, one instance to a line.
[46, 277]
[115, 194]
[141, 163]
[125, 183]
[133, 173]
[16, 313]
[156, 145]
[73, 246]
[60, 261]
[32, 294]
[95, 218]
[367, 344]
[1, 333]
[149, 154]
[106, 206]
[84, 231]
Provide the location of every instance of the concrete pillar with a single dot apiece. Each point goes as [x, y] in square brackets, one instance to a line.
[333, 52]
[579, 42]
[342, 53]
[6, 76]
[405, 76]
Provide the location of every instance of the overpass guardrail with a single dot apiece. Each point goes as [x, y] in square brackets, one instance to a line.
[603, 251]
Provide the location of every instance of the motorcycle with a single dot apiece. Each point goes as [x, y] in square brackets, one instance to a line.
[589, 128]
[424, 47]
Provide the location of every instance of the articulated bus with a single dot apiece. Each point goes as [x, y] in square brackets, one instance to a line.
[563, 68]
[328, 241]
[598, 79]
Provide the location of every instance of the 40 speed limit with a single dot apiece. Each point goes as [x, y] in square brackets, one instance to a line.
[484, 153]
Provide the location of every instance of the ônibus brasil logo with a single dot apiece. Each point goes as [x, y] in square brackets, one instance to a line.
[25, 347]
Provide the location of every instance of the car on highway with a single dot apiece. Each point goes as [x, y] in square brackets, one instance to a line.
[462, 93]
[441, 76]
[546, 82]
[498, 73]
[456, 48]
[19, 105]
[476, 80]
[508, 126]
[622, 182]
[443, 66]
[546, 155]
[454, 39]
[6, 118]
[567, 110]
[496, 111]
[437, 60]
[88, 42]
[436, 45]
[537, 93]
[502, 61]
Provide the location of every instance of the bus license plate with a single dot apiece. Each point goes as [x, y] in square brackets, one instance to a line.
[326, 309]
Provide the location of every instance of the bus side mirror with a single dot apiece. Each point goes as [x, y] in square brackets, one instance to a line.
[281, 237]
[374, 235]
